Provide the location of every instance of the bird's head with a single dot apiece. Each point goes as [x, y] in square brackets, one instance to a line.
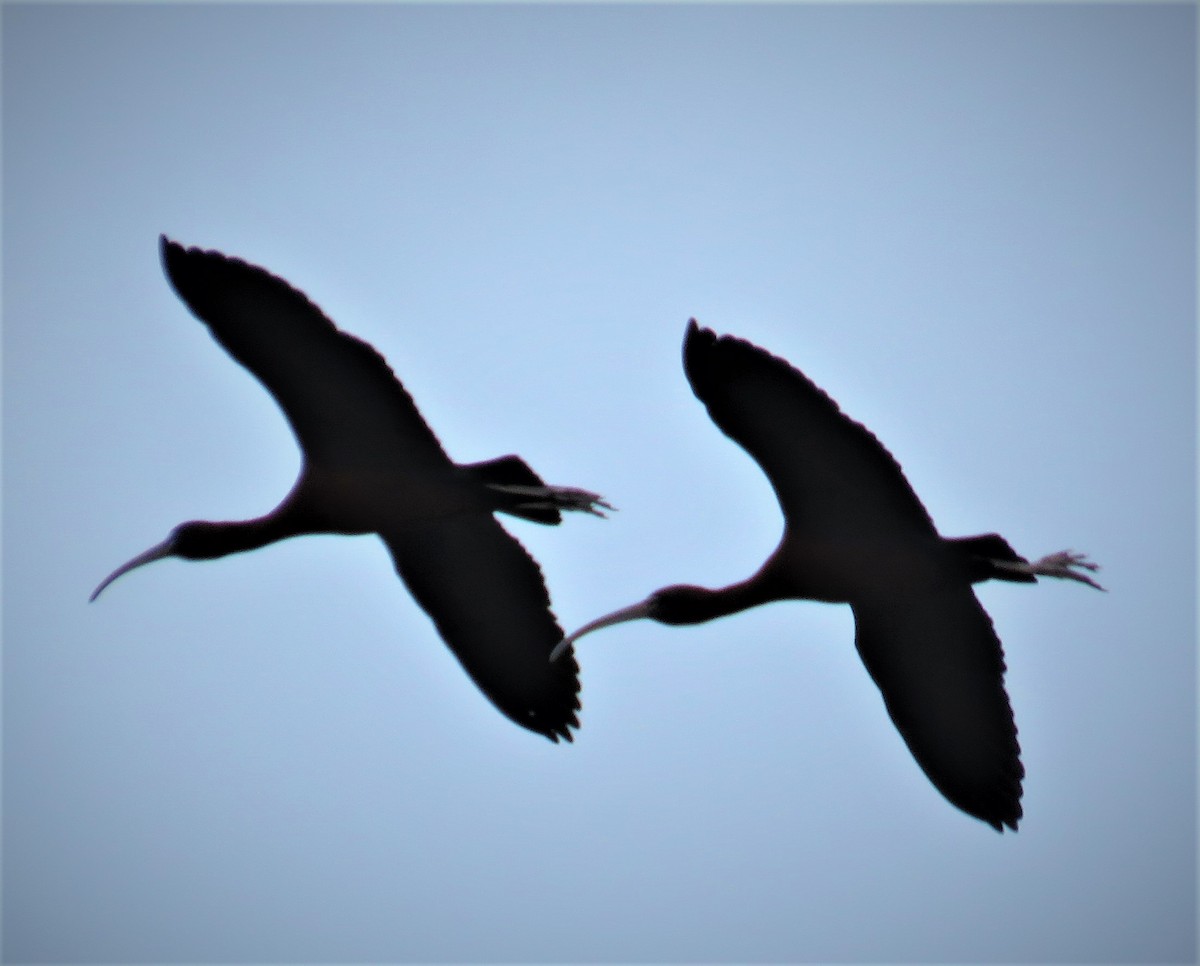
[683, 604]
[194, 540]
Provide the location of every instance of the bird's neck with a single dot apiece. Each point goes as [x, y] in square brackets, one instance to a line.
[210, 540]
[696, 605]
[742, 596]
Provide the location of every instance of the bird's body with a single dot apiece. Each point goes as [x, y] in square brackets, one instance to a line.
[372, 465]
[856, 533]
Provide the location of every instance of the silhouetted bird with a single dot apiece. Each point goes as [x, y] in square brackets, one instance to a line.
[371, 465]
[855, 533]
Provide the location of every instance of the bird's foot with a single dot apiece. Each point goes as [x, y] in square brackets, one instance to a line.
[1065, 564]
[557, 498]
[573, 498]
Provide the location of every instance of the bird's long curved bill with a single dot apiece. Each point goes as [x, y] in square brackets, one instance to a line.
[631, 613]
[157, 552]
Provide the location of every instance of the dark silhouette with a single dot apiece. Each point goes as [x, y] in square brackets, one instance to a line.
[372, 465]
[856, 533]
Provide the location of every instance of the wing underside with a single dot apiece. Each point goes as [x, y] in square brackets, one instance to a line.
[486, 596]
[940, 668]
[344, 403]
[830, 474]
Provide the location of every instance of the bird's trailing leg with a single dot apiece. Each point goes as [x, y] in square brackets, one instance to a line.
[1066, 564]
[555, 498]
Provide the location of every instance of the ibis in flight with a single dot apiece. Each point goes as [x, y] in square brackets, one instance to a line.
[856, 533]
[370, 464]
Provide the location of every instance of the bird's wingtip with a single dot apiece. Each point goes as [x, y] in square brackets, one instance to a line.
[167, 247]
[697, 333]
[696, 345]
[560, 732]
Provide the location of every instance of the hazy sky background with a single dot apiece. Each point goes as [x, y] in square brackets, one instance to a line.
[973, 225]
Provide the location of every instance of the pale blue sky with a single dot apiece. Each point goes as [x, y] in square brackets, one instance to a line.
[973, 225]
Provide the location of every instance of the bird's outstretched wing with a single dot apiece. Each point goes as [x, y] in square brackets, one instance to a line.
[488, 599]
[830, 474]
[937, 660]
[343, 402]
